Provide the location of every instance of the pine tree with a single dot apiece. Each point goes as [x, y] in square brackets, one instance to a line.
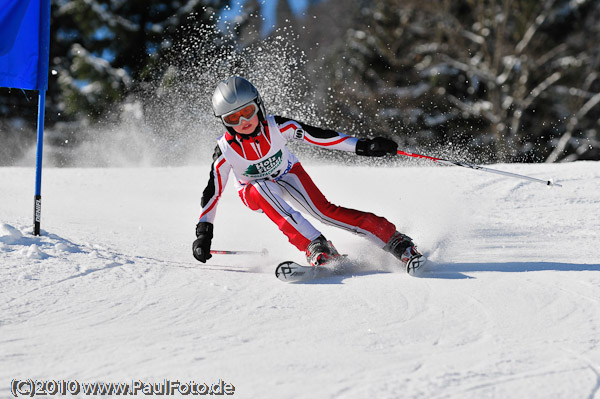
[481, 74]
[112, 47]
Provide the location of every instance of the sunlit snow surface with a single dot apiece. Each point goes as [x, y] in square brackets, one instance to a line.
[510, 307]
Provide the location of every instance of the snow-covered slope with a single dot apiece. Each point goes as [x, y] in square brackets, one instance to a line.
[509, 309]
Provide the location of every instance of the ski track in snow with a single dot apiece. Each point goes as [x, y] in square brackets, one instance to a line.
[509, 307]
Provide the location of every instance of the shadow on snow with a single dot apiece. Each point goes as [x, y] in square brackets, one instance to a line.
[457, 270]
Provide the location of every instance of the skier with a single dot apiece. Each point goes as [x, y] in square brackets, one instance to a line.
[270, 179]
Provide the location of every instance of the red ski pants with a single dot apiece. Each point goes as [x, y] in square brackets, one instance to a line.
[297, 188]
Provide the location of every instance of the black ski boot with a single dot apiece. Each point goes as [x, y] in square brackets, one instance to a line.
[321, 252]
[403, 248]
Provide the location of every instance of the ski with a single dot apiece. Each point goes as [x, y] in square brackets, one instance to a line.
[292, 272]
[416, 265]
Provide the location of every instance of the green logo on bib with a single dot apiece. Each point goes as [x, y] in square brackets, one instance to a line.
[264, 168]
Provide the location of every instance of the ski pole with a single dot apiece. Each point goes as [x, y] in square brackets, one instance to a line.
[262, 252]
[477, 167]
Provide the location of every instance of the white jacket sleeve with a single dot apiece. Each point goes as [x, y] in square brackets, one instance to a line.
[219, 174]
[293, 130]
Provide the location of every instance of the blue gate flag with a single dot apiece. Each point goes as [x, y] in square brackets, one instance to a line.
[24, 63]
[24, 43]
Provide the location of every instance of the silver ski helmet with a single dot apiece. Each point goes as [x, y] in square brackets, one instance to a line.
[234, 94]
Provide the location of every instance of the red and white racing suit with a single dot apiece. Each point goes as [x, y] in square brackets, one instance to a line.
[269, 178]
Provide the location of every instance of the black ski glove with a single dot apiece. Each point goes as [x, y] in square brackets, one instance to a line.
[201, 247]
[376, 147]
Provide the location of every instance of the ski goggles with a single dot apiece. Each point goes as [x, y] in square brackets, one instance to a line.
[235, 118]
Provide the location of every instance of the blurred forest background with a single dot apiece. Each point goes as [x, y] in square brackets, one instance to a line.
[486, 80]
